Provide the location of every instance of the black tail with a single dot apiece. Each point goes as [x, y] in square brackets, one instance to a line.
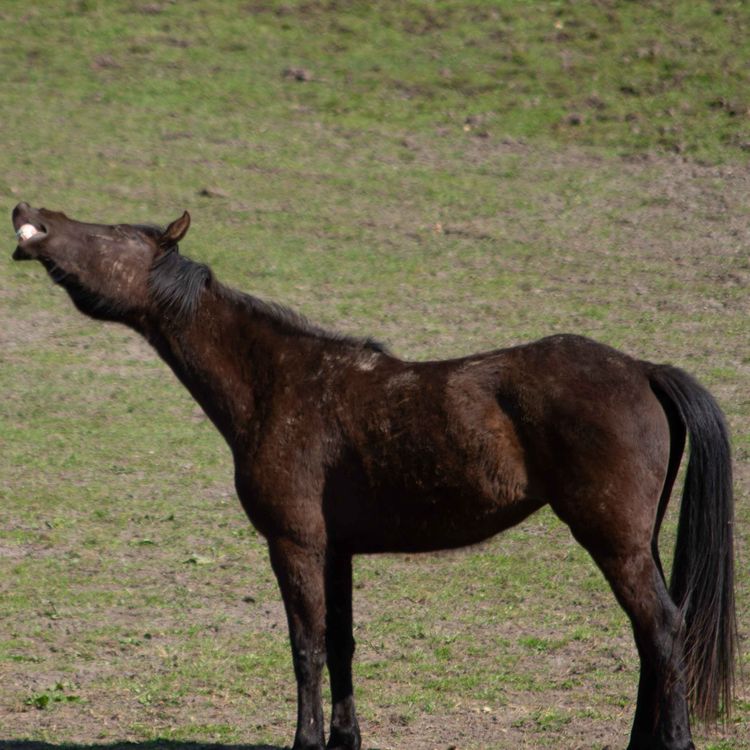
[702, 582]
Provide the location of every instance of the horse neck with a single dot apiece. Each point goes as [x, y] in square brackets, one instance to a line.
[223, 356]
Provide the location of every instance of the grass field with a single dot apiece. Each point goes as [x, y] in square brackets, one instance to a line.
[445, 176]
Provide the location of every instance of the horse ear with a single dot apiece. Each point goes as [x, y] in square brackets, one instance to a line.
[175, 231]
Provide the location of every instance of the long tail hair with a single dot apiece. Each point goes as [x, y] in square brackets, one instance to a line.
[702, 583]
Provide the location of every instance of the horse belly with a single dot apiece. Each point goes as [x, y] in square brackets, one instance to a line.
[405, 517]
[442, 529]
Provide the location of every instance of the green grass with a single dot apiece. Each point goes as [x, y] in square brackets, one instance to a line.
[450, 177]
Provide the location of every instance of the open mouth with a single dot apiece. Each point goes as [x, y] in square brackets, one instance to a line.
[28, 232]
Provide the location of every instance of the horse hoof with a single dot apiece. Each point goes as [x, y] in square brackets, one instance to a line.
[344, 741]
[652, 743]
[308, 746]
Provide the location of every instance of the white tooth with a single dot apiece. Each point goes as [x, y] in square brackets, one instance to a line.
[27, 231]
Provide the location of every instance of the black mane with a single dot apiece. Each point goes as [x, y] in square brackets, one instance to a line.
[176, 283]
[290, 321]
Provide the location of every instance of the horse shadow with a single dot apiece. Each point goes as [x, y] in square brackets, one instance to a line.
[149, 745]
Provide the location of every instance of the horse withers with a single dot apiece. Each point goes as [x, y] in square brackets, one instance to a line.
[341, 448]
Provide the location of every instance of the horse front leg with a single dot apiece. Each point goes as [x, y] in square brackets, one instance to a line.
[300, 572]
[340, 649]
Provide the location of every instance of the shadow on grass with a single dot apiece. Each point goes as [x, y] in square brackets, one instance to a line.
[149, 745]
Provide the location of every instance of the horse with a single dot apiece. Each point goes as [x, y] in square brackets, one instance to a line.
[341, 448]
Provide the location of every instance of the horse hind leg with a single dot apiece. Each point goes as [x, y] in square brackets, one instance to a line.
[661, 717]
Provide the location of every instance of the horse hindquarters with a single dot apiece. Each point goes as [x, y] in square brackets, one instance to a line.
[609, 495]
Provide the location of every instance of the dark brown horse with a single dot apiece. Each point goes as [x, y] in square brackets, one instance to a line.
[341, 448]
